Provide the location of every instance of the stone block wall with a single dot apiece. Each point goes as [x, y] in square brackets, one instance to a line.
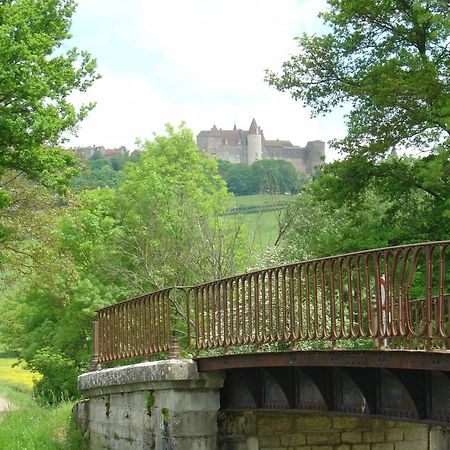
[278, 430]
[156, 405]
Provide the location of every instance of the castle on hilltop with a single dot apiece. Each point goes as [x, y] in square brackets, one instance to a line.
[247, 146]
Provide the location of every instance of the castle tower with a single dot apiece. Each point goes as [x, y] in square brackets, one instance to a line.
[254, 143]
[315, 155]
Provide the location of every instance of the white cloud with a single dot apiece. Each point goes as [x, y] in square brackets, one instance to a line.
[201, 61]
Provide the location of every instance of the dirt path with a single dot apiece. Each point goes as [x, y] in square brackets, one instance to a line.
[5, 406]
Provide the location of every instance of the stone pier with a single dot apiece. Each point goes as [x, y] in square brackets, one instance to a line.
[152, 405]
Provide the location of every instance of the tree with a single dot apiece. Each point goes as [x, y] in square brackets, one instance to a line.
[239, 179]
[36, 80]
[389, 61]
[276, 176]
[170, 205]
[162, 226]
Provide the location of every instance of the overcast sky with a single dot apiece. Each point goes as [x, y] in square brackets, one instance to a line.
[198, 61]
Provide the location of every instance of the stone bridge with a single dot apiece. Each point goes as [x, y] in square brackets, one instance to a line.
[347, 352]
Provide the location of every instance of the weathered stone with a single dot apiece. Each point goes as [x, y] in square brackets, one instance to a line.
[350, 423]
[439, 438]
[312, 422]
[394, 435]
[420, 432]
[420, 445]
[230, 423]
[144, 375]
[361, 447]
[266, 440]
[323, 437]
[80, 415]
[194, 423]
[273, 423]
[382, 424]
[153, 405]
[373, 436]
[382, 446]
[289, 440]
[351, 437]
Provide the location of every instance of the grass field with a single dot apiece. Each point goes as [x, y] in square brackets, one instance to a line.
[261, 200]
[260, 215]
[262, 228]
[32, 426]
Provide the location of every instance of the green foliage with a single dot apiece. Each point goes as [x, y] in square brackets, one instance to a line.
[161, 226]
[331, 217]
[101, 172]
[318, 228]
[170, 205]
[416, 190]
[275, 176]
[389, 61]
[96, 176]
[239, 177]
[36, 81]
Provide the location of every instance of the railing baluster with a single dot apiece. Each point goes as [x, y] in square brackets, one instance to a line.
[396, 296]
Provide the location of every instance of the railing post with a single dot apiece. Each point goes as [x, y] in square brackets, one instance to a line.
[428, 296]
[374, 315]
[174, 348]
[187, 292]
[95, 364]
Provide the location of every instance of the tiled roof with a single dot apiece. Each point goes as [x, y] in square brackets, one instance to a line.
[232, 137]
[253, 127]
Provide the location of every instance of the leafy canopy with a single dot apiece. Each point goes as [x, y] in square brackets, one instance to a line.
[276, 176]
[36, 80]
[389, 60]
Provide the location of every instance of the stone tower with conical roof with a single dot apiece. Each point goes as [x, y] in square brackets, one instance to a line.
[254, 143]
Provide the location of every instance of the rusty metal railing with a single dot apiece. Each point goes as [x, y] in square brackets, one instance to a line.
[132, 328]
[397, 297]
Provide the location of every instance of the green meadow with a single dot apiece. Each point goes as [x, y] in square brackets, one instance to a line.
[29, 425]
[260, 214]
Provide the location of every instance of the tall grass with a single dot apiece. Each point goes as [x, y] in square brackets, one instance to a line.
[31, 426]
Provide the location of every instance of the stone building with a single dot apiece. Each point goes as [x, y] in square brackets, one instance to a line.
[107, 153]
[247, 146]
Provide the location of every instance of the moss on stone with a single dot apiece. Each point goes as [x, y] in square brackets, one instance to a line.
[165, 416]
[150, 401]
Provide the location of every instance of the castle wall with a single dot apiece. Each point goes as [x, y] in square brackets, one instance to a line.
[236, 154]
[202, 142]
[215, 147]
[238, 146]
[295, 155]
[315, 154]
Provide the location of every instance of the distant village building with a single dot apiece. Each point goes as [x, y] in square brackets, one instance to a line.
[107, 153]
[247, 146]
